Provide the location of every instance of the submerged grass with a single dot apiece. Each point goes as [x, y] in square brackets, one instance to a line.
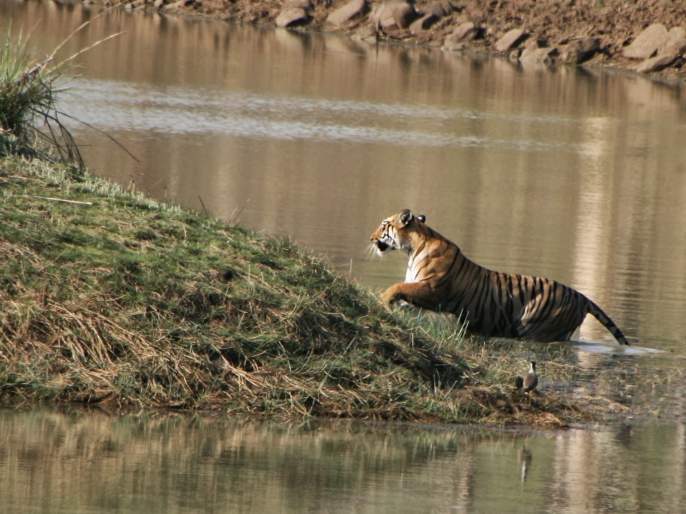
[108, 297]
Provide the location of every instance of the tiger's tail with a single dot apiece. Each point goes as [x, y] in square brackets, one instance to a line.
[605, 320]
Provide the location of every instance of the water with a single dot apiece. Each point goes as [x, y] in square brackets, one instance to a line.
[576, 175]
[55, 463]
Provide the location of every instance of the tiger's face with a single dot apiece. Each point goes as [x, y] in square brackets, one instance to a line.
[393, 232]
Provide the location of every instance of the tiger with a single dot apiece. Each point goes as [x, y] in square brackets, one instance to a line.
[439, 277]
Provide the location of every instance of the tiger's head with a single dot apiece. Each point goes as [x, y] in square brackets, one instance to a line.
[394, 232]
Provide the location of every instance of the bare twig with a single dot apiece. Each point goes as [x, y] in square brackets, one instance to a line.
[53, 199]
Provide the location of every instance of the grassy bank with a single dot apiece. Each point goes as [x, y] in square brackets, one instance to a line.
[108, 297]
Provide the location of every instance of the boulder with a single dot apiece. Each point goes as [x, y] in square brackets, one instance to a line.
[438, 8]
[676, 34]
[418, 27]
[580, 50]
[510, 40]
[348, 12]
[656, 63]
[292, 16]
[464, 32]
[666, 55]
[537, 56]
[647, 42]
[394, 13]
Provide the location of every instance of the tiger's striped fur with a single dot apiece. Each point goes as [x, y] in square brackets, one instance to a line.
[439, 277]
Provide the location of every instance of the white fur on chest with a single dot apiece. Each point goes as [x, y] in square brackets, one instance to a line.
[415, 259]
[411, 272]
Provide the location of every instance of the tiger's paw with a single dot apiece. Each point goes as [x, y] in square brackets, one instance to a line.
[389, 297]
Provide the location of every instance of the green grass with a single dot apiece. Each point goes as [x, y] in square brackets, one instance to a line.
[30, 122]
[123, 301]
[27, 93]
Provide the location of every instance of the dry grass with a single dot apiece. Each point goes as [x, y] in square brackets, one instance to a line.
[120, 301]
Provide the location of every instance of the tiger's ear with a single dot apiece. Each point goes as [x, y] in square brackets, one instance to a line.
[406, 217]
[421, 217]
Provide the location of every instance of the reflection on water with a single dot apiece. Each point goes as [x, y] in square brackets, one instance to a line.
[114, 106]
[55, 463]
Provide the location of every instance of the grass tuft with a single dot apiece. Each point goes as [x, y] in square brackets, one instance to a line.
[30, 122]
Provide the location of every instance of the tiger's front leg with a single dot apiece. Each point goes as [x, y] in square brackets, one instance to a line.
[416, 293]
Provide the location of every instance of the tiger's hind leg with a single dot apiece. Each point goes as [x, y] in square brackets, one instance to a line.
[552, 317]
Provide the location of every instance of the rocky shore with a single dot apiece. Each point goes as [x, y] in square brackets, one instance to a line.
[646, 36]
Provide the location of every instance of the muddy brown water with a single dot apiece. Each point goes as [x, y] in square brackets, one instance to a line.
[82, 463]
[577, 175]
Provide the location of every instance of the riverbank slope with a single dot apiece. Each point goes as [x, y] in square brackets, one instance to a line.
[113, 299]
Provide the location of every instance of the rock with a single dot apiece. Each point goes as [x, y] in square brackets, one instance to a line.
[647, 42]
[438, 9]
[173, 6]
[580, 50]
[464, 32]
[348, 12]
[292, 16]
[656, 63]
[510, 40]
[395, 13]
[537, 56]
[674, 44]
[514, 55]
[676, 34]
[302, 4]
[666, 55]
[418, 27]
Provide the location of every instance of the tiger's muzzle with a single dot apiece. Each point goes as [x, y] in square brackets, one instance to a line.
[381, 246]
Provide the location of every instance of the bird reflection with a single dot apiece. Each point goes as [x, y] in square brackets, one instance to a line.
[525, 460]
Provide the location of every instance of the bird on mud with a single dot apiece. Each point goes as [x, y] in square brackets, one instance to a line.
[528, 383]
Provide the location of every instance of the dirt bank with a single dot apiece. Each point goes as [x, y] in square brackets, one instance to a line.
[647, 36]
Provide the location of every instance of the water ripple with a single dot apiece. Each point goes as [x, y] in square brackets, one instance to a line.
[120, 106]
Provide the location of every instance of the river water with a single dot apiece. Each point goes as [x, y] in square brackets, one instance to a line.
[579, 175]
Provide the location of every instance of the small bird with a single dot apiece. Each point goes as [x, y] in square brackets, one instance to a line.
[519, 382]
[531, 379]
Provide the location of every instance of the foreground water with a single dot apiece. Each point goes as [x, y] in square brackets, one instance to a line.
[577, 175]
[56, 463]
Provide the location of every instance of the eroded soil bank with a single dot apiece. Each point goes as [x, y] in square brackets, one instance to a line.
[647, 36]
